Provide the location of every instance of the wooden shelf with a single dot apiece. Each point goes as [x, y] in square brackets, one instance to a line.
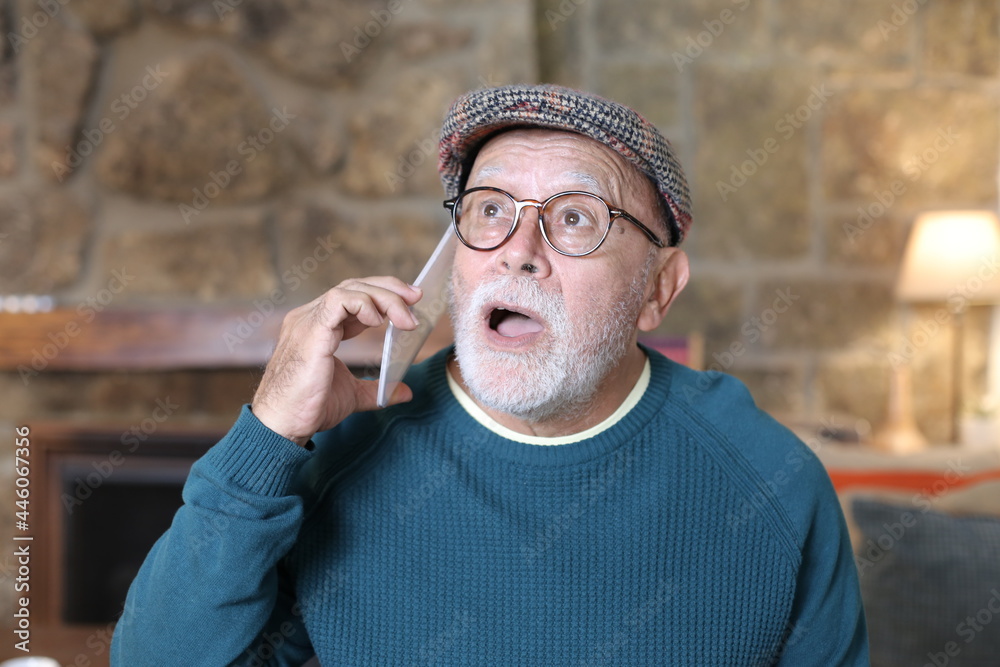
[164, 339]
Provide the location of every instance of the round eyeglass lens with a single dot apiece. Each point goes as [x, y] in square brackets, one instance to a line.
[484, 217]
[575, 223]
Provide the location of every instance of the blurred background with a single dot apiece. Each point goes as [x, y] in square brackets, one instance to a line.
[202, 165]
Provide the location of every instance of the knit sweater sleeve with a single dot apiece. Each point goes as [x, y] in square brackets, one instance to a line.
[211, 590]
[791, 489]
[827, 625]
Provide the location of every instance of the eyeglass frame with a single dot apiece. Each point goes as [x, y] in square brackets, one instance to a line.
[520, 204]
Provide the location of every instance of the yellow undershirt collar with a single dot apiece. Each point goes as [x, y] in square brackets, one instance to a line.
[480, 415]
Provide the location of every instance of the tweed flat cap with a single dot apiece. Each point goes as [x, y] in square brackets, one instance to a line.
[477, 115]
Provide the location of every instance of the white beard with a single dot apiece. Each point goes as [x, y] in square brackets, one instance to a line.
[563, 371]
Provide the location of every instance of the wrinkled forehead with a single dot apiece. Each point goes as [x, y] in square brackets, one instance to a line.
[596, 167]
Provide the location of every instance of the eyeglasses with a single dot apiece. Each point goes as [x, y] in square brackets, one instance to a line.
[572, 223]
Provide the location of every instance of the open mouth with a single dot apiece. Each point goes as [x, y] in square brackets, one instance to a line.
[511, 323]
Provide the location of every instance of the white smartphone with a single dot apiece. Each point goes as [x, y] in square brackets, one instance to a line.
[400, 347]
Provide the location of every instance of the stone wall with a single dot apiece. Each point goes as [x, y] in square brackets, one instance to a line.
[210, 152]
[208, 149]
[814, 133]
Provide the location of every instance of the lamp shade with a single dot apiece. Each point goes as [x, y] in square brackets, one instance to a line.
[952, 255]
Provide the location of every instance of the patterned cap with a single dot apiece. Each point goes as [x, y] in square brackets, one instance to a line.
[477, 115]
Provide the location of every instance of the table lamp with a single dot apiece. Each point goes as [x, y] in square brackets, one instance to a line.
[950, 259]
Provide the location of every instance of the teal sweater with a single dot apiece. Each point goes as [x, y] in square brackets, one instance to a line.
[695, 531]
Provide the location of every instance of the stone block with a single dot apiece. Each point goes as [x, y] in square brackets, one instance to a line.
[750, 173]
[320, 137]
[506, 53]
[318, 42]
[855, 384]
[62, 58]
[419, 40]
[106, 18]
[857, 35]
[961, 36]
[43, 234]
[710, 306]
[226, 256]
[856, 238]
[202, 136]
[778, 389]
[9, 48]
[686, 32]
[562, 42]
[811, 314]
[451, 5]
[652, 90]
[366, 242]
[394, 138]
[925, 148]
[10, 138]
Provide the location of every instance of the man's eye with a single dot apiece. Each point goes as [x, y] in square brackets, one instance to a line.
[491, 210]
[574, 219]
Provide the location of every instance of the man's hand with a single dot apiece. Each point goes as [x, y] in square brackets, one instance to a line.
[305, 388]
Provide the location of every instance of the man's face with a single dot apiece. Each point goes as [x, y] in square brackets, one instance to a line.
[537, 332]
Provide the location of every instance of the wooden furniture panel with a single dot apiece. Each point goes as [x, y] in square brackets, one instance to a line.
[164, 339]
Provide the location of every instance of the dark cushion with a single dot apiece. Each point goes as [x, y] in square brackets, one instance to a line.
[931, 585]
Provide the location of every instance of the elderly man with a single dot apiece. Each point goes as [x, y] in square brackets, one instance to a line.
[547, 492]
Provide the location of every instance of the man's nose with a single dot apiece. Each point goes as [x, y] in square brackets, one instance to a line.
[525, 252]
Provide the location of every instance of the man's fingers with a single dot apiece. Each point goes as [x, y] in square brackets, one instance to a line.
[409, 293]
[305, 387]
[369, 304]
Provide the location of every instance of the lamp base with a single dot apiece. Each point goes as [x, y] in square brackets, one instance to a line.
[900, 435]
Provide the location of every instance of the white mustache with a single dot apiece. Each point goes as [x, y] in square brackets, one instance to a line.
[521, 292]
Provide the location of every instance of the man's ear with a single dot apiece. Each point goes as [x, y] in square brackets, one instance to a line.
[667, 279]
